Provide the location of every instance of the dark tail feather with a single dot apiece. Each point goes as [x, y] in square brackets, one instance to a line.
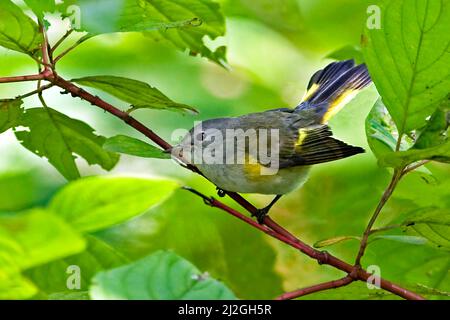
[333, 87]
[316, 145]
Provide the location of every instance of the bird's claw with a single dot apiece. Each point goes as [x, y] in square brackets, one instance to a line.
[260, 214]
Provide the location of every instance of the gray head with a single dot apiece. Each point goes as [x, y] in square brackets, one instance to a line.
[201, 136]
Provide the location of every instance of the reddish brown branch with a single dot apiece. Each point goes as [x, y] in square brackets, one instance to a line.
[94, 100]
[33, 77]
[316, 288]
[276, 231]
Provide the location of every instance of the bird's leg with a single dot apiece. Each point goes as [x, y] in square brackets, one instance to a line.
[261, 213]
[221, 193]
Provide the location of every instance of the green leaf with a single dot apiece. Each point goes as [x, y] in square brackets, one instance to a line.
[51, 278]
[160, 276]
[24, 189]
[405, 239]
[15, 287]
[133, 146]
[432, 143]
[181, 23]
[209, 239]
[335, 240]
[17, 31]
[433, 224]
[436, 133]
[57, 137]
[139, 94]
[408, 59]
[284, 16]
[96, 203]
[380, 131]
[36, 237]
[10, 113]
[437, 153]
[41, 6]
[347, 52]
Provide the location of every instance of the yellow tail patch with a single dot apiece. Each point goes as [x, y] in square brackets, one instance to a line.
[310, 92]
[339, 103]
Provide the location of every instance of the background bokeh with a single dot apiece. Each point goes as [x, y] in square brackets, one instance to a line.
[273, 49]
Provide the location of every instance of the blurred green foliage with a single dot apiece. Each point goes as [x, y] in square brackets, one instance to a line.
[108, 226]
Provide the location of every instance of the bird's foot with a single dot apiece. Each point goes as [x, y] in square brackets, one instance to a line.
[260, 214]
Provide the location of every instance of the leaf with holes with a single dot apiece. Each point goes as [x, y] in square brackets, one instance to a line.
[134, 147]
[10, 114]
[160, 276]
[408, 59]
[380, 131]
[39, 7]
[181, 23]
[96, 203]
[431, 223]
[137, 93]
[57, 137]
[432, 142]
[17, 31]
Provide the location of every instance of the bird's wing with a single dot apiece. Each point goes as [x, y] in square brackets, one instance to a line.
[300, 140]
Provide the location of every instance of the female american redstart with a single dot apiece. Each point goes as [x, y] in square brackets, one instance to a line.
[227, 151]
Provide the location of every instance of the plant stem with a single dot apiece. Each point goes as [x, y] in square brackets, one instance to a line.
[37, 91]
[65, 52]
[414, 166]
[60, 41]
[34, 77]
[386, 195]
[385, 228]
[316, 288]
[44, 49]
[94, 100]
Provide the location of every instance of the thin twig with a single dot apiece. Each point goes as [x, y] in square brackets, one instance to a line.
[316, 288]
[37, 91]
[44, 49]
[385, 229]
[75, 45]
[60, 41]
[94, 100]
[386, 195]
[33, 77]
[414, 166]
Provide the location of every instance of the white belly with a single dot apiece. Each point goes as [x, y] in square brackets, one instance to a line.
[233, 177]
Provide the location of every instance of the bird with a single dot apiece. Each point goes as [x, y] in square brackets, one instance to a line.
[238, 154]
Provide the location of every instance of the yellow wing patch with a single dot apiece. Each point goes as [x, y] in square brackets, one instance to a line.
[339, 103]
[310, 91]
[302, 133]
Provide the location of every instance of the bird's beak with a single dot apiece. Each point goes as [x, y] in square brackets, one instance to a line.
[169, 150]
